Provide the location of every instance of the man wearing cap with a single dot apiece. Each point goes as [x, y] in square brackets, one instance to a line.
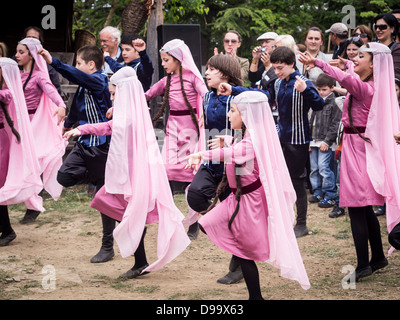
[339, 34]
[262, 52]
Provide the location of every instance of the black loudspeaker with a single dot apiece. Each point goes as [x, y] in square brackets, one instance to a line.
[189, 33]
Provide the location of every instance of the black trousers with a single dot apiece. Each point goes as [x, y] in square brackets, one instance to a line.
[394, 237]
[84, 163]
[203, 189]
[296, 157]
[365, 228]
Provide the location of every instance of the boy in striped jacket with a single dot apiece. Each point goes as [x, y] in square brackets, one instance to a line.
[294, 95]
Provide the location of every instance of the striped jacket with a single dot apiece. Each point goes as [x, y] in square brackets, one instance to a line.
[293, 107]
[91, 100]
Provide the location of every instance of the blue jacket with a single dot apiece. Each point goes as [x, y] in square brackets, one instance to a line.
[142, 65]
[216, 121]
[293, 107]
[91, 100]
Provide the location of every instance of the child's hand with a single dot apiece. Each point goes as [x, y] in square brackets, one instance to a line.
[340, 63]
[193, 160]
[109, 113]
[225, 89]
[60, 112]
[397, 137]
[300, 85]
[72, 133]
[46, 55]
[106, 54]
[324, 147]
[139, 45]
[218, 142]
[307, 59]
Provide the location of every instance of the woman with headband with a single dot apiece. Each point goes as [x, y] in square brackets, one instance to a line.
[255, 222]
[369, 174]
[136, 190]
[183, 89]
[46, 110]
[19, 168]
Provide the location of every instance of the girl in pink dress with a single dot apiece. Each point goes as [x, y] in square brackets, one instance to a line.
[368, 174]
[136, 190]
[255, 222]
[183, 90]
[19, 167]
[46, 110]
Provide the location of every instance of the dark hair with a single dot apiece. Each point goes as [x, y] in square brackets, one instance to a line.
[37, 29]
[350, 106]
[283, 55]
[7, 115]
[166, 98]
[31, 71]
[127, 38]
[235, 32]
[390, 20]
[324, 80]
[222, 185]
[315, 29]
[91, 53]
[359, 43]
[228, 66]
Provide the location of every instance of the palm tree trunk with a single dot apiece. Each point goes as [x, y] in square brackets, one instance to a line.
[134, 16]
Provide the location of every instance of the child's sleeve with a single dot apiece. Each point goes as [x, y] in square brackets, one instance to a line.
[114, 65]
[78, 77]
[349, 80]
[238, 89]
[157, 89]
[336, 116]
[5, 96]
[312, 98]
[238, 153]
[97, 129]
[48, 88]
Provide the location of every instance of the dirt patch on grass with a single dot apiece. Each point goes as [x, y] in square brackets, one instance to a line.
[50, 260]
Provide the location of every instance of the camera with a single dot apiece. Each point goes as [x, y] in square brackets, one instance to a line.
[262, 50]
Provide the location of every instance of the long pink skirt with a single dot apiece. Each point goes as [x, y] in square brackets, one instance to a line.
[248, 237]
[356, 189]
[114, 205]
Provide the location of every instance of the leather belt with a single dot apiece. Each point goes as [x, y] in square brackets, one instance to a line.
[349, 130]
[181, 112]
[250, 187]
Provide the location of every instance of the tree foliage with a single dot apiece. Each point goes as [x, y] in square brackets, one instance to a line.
[249, 17]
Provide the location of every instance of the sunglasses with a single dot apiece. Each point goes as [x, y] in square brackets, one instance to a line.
[230, 40]
[361, 35]
[354, 39]
[380, 26]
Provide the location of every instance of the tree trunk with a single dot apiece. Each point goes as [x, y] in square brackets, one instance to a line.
[111, 13]
[134, 16]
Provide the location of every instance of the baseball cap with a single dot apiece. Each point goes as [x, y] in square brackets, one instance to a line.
[267, 35]
[338, 27]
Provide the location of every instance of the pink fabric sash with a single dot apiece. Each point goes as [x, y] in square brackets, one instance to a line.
[383, 155]
[23, 181]
[278, 187]
[48, 136]
[135, 169]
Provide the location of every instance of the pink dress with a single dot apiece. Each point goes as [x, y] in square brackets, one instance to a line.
[181, 134]
[356, 189]
[112, 205]
[39, 83]
[248, 237]
[5, 97]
